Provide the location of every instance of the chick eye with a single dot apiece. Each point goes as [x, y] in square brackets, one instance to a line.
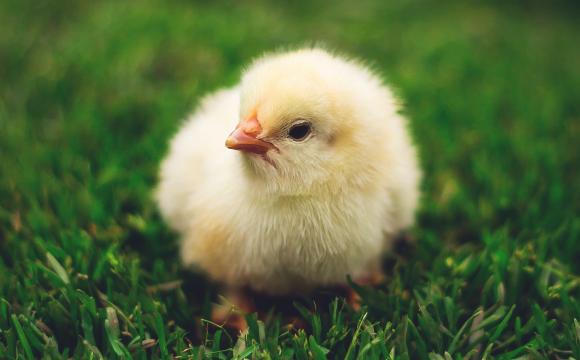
[299, 131]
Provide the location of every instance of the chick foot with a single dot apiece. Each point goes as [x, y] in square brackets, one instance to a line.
[231, 312]
[372, 279]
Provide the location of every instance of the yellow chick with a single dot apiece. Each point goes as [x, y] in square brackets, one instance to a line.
[298, 176]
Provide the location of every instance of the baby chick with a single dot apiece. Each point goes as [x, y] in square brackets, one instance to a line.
[298, 176]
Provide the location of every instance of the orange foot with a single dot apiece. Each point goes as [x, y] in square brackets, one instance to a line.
[231, 311]
[373, 279]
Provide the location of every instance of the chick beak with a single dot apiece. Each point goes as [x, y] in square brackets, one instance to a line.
[244, 138]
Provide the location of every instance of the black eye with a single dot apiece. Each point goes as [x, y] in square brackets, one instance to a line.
[299, 131]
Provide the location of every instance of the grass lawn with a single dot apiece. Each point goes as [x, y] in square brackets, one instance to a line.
[90, 93]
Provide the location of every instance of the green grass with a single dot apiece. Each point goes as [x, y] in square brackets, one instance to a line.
[90, 92]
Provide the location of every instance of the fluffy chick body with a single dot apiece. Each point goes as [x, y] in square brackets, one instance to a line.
[310, 213]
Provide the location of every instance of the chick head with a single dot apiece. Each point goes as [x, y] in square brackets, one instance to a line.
[310, 120]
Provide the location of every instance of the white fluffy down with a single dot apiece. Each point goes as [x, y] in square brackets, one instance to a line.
[331, 205]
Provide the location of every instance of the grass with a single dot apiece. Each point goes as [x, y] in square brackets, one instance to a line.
[90, 92]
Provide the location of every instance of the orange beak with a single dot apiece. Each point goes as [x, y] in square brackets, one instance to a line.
[245, 138]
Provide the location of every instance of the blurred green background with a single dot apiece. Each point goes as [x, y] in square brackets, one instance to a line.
[91, 91]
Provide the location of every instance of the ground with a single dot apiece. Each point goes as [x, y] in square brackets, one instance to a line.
[90, 92]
